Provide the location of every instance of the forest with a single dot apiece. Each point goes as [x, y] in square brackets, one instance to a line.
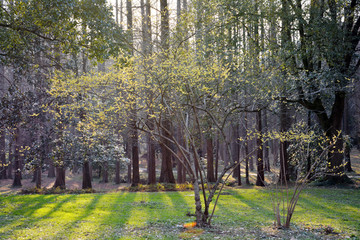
[193, 120]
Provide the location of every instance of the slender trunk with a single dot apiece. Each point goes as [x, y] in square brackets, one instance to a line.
[3, 172]
[284, 159]
[246, 152]
[38, 177]
[236, 151]
[117, 172]
[210, 160]
[217, 156]
[17, 173]
[260, 180]
[266, 146]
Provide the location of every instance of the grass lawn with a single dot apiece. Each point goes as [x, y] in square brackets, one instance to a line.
[241, 214]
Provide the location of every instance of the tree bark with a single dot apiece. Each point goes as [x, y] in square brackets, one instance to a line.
[86, 179]
[284, 159]
[236, 151]
[17, 173]
[260, 178]
[117, 172]
[38, 177]
[246, 152]
[105, 175]
[210, 160]
[3, 174]
[60, 178]
[166, 175]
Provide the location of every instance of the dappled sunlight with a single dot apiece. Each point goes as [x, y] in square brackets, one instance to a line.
[164, 214]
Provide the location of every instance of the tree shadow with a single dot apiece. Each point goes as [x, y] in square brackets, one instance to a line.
[29, 219]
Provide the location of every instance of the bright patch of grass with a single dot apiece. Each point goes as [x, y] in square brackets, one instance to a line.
[241, 214]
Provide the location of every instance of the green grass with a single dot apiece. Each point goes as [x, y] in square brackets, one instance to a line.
[241, 214]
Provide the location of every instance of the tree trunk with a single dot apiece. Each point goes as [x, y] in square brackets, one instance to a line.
[117, 172]
[38, 177]
[60, 178]
[236, 151]
[260, 180]
[105, 174]
[86, 178]
[51, 171]
[3, 172]
[10, 162]
[266, 146]
[217, 156]
[17, 173]
[166, 175]
[246, 152]
[210, 160]
[284, 127]
[135, 155]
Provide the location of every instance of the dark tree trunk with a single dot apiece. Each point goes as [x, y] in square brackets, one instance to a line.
[17, 173]
[210, 160]
[166, 175]
[266, 146]
[236, 152]
[151, 156]
[217, 156]
[246, 152]
[117, 172]
[60, 178]
[86, 179]
[251, 143]
[127, 152]
[105, 175]
[51, 171]
[38, 177]
[260, 180]
[284, 127]
[135, 157]
[3, 172]
[10, 162]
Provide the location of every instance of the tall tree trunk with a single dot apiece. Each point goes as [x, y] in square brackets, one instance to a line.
[38, 177]
[236, 151]
[246, 152]
[117, 172]
[105, 175]
[86, 179]
[11, 157]
[284, 159]
[210, 160]
[260, 178]
[151, 156]
[166, 175]
[17, 173]
[3, 172]
[266, 146]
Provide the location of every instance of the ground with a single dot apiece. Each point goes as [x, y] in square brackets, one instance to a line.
[242, 213]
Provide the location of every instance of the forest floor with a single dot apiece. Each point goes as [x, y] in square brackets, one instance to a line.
[242, 213]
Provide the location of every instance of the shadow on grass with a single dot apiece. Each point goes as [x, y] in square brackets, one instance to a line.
[242, 207]
[26, 214]
[120, 210]
[75, 224]
[333, 209]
